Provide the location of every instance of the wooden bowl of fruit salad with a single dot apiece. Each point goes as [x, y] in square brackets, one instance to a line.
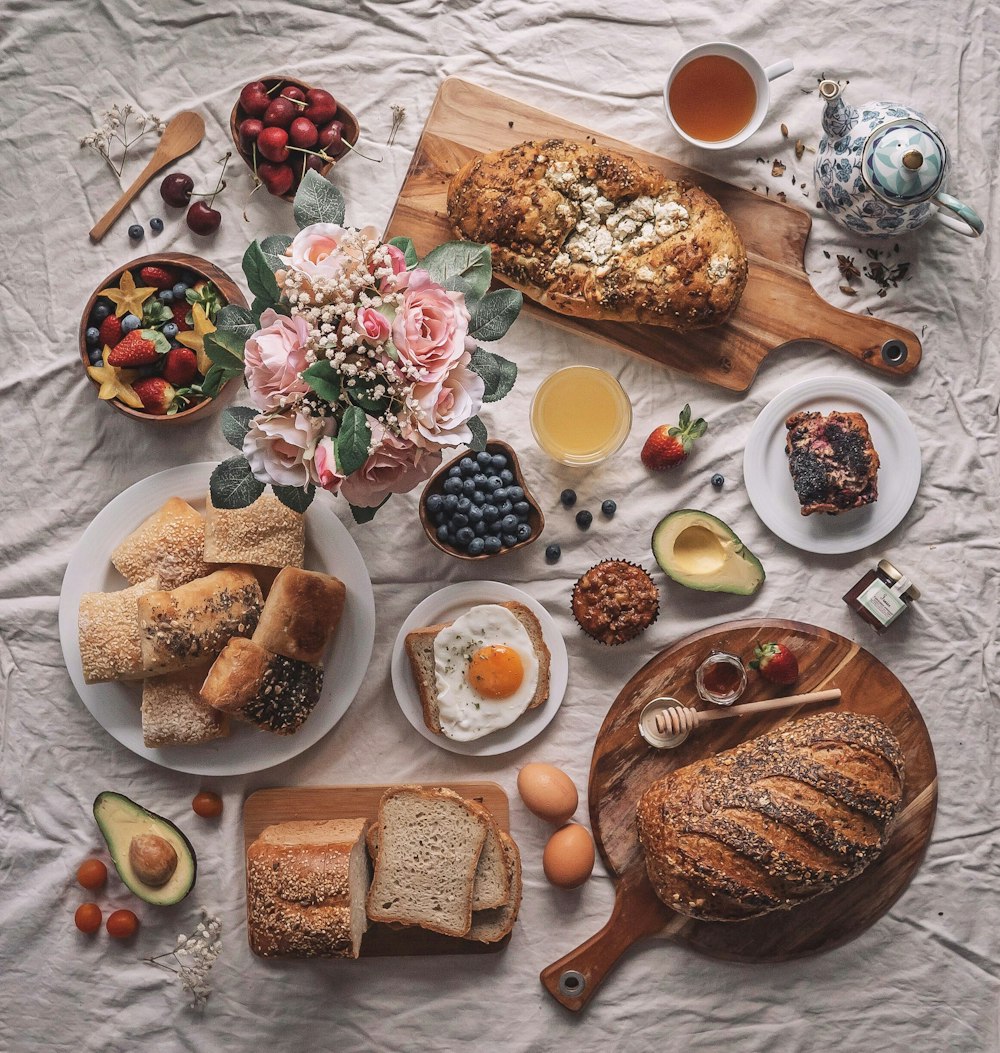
[308, 118]
[162, 386]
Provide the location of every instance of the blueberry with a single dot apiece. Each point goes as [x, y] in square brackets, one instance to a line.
[476, 546]
[509, 540]
[170, 330]
[459, 519]
[136, 232]
[494, 482]
[450, 503]
[156, 225]
[100, 312]
[491, 513]
[500, 494]
[179, 290]
[491, 544]
[480, 528]
[440, 518]
[468, 487]
[483, 459]
[165, 296]
[130, 322]
[498, 461]
[508, 524]
[584, 519]
[464, 504]
[478, 497]
[515, 493]
[609, 508]
[454, 472]
[480, 480]
[96, 356]
[188, 278]
[452, 486]
[464, 535]
[93, 336]
[475, 513]
[505, 509]
[507, 476]
[442, 533]
[522, 509]
[568, 498]
[718, 481]
[523, 531]
[552, 553]
[467, 466]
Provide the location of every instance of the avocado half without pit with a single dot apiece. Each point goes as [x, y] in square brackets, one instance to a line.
[152, 857]
[700, 551]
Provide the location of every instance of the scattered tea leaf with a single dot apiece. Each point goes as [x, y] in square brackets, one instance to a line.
[777, 169]
[781, 196]
[784, 130]
[826, 254]
[848, 291]
[848, 270]
[761, 161]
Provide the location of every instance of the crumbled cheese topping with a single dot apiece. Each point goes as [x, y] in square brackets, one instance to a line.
[718, 268]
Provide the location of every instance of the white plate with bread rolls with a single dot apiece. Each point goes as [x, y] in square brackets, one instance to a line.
[144, 691]
[463, 723]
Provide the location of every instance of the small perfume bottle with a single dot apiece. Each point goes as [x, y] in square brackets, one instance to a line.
[721, 678]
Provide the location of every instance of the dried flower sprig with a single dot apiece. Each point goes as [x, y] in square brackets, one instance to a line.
[398, 116]
[194, 957]
[115, 133]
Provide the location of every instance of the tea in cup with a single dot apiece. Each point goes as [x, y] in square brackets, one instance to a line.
[717, 94]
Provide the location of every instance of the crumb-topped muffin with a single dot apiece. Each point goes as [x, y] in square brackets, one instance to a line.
[615, 601]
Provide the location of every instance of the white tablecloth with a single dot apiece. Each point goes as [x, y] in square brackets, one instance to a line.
[926, 976]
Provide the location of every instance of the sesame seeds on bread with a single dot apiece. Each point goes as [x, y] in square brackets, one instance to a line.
[264, 534]
[110, 640]
[169, 544]
[173, 714]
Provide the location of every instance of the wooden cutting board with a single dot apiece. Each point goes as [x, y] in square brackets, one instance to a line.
[624, 766]
[287, 803]
[778, 306]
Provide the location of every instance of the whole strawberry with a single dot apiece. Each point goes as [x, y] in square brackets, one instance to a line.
[111, 331]
[667, 446]
[155, 394]
[180, 366]
[158, 277]
[180, 313]
[133, 351]
[776, 664]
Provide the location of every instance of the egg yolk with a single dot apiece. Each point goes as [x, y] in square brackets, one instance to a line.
[495, 671]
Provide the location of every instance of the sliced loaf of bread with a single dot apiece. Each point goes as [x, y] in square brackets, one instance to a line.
[489, 926]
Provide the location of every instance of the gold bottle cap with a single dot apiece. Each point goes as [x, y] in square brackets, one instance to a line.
[896, 574]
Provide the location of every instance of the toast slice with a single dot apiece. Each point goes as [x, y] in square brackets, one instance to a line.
[419, 646]
[430, 841]
[489, 926]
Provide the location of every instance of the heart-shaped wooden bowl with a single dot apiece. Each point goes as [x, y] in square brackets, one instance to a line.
[435, 485]
[228, 289]
[352, 128]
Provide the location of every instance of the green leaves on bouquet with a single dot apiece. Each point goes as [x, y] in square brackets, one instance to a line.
[478, 429]
[461, 266]
[260, 278]
[353, 439]
[233, 484]
[236, 422]
[405, 246]
[494, 314]
[317, 201]
[224, 348]
[498, 373]
[324, 380]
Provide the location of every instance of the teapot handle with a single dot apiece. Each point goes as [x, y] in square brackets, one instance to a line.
[968, 221]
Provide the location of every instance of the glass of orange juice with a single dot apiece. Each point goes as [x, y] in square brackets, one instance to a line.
[580, 415]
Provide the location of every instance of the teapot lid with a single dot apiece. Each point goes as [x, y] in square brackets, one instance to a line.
[904, 161]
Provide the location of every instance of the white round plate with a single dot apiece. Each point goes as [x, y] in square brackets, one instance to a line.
[769, 483]
[446, 605]
[115, 706]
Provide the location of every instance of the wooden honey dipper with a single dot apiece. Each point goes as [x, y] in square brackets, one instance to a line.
[679, 720]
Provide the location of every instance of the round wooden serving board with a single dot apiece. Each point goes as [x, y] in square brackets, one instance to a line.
[624, 766]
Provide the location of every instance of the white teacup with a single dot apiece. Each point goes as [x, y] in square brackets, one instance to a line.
[760, 75]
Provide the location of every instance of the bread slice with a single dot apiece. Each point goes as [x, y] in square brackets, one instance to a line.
[419, 646]
[429, 846]
[306, 888]
[489, 926]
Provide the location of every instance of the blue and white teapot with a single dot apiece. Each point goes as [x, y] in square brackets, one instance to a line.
[881, 170]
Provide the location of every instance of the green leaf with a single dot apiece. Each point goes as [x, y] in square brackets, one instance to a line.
[157, 339]
[222, 355]
[272, 247]
[230, 340]
[216, 379]
[317, 201]
[235, 423]
[209, 298]
[260, 277]
[494, 314]
[478, 429]
[155, 312]
[238, 320]
[361, 395]
[462, 266]
[366, 515]
[351, 444]
[405, 245]
[233, 485]
[323, 379]
[498, 373]
[297, 498]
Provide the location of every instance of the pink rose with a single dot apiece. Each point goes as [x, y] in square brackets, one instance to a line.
[430, 327]
[443, 409]
[397, 259]
[372, 325]
[277, 445]
[400, 277]
[318, 251]
[395, 467]
[274, 357]
[323, 470]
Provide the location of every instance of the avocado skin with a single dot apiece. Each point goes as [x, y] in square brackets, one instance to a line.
[671, 525]
[180, 883]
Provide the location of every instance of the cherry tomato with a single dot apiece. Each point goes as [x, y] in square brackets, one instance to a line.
[92, 874]
[88, 917]
[207, 804]
[122, 924]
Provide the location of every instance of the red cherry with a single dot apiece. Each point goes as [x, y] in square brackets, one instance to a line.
[290, 91]
[248, 131]
[331, 137]
[280, 113]
[176, 189]
[322, 106]
[203, 219]
[317, 164]
[301, 133]
[254, 98]
[277, 178]
[272, 144]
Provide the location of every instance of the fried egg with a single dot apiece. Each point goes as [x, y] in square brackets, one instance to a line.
[486, 671]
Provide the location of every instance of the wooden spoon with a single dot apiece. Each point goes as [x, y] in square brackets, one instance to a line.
[182, 134]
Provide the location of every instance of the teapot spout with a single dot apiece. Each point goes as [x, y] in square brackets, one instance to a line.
[838, 117]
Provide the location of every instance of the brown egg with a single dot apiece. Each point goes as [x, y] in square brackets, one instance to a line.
[548, 792]
[568, 859]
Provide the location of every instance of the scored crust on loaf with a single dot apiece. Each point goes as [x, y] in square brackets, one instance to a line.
[169, 544]
[419, 647]
[490, 926]
[174, 715]
[110, 640]
[774, 821]
[590, 232]
[306, 889]
[301, 614]
[264, 534]
[430, 841]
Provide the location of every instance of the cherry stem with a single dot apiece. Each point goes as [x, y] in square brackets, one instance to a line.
[326, 157]
[221, 184]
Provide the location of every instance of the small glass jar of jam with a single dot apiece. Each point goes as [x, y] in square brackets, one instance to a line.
[881, 596]
[721, 678]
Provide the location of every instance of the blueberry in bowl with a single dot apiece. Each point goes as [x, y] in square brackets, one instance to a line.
[478, 505]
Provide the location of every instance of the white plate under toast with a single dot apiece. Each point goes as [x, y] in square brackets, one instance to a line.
[115, 706]
[446, 605]
[769, 483]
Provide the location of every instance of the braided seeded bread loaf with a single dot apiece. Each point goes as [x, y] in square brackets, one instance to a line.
[775, 821]
[592, 233]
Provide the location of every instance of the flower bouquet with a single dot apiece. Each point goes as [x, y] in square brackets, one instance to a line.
[361, 360]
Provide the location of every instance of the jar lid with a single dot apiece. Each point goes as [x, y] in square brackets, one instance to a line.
[904, 162]
[896, 574]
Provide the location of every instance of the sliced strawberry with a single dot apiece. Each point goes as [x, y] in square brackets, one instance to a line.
[158, 277]
[180, 312]
[669, 446]
[155, 394]
[180, 366]
[135, 350]
[111, 331]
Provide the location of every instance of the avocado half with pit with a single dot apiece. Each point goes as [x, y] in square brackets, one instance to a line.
[701, 552]
[153, 858]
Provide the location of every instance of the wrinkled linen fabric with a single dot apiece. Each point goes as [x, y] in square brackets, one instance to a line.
[926, 976]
